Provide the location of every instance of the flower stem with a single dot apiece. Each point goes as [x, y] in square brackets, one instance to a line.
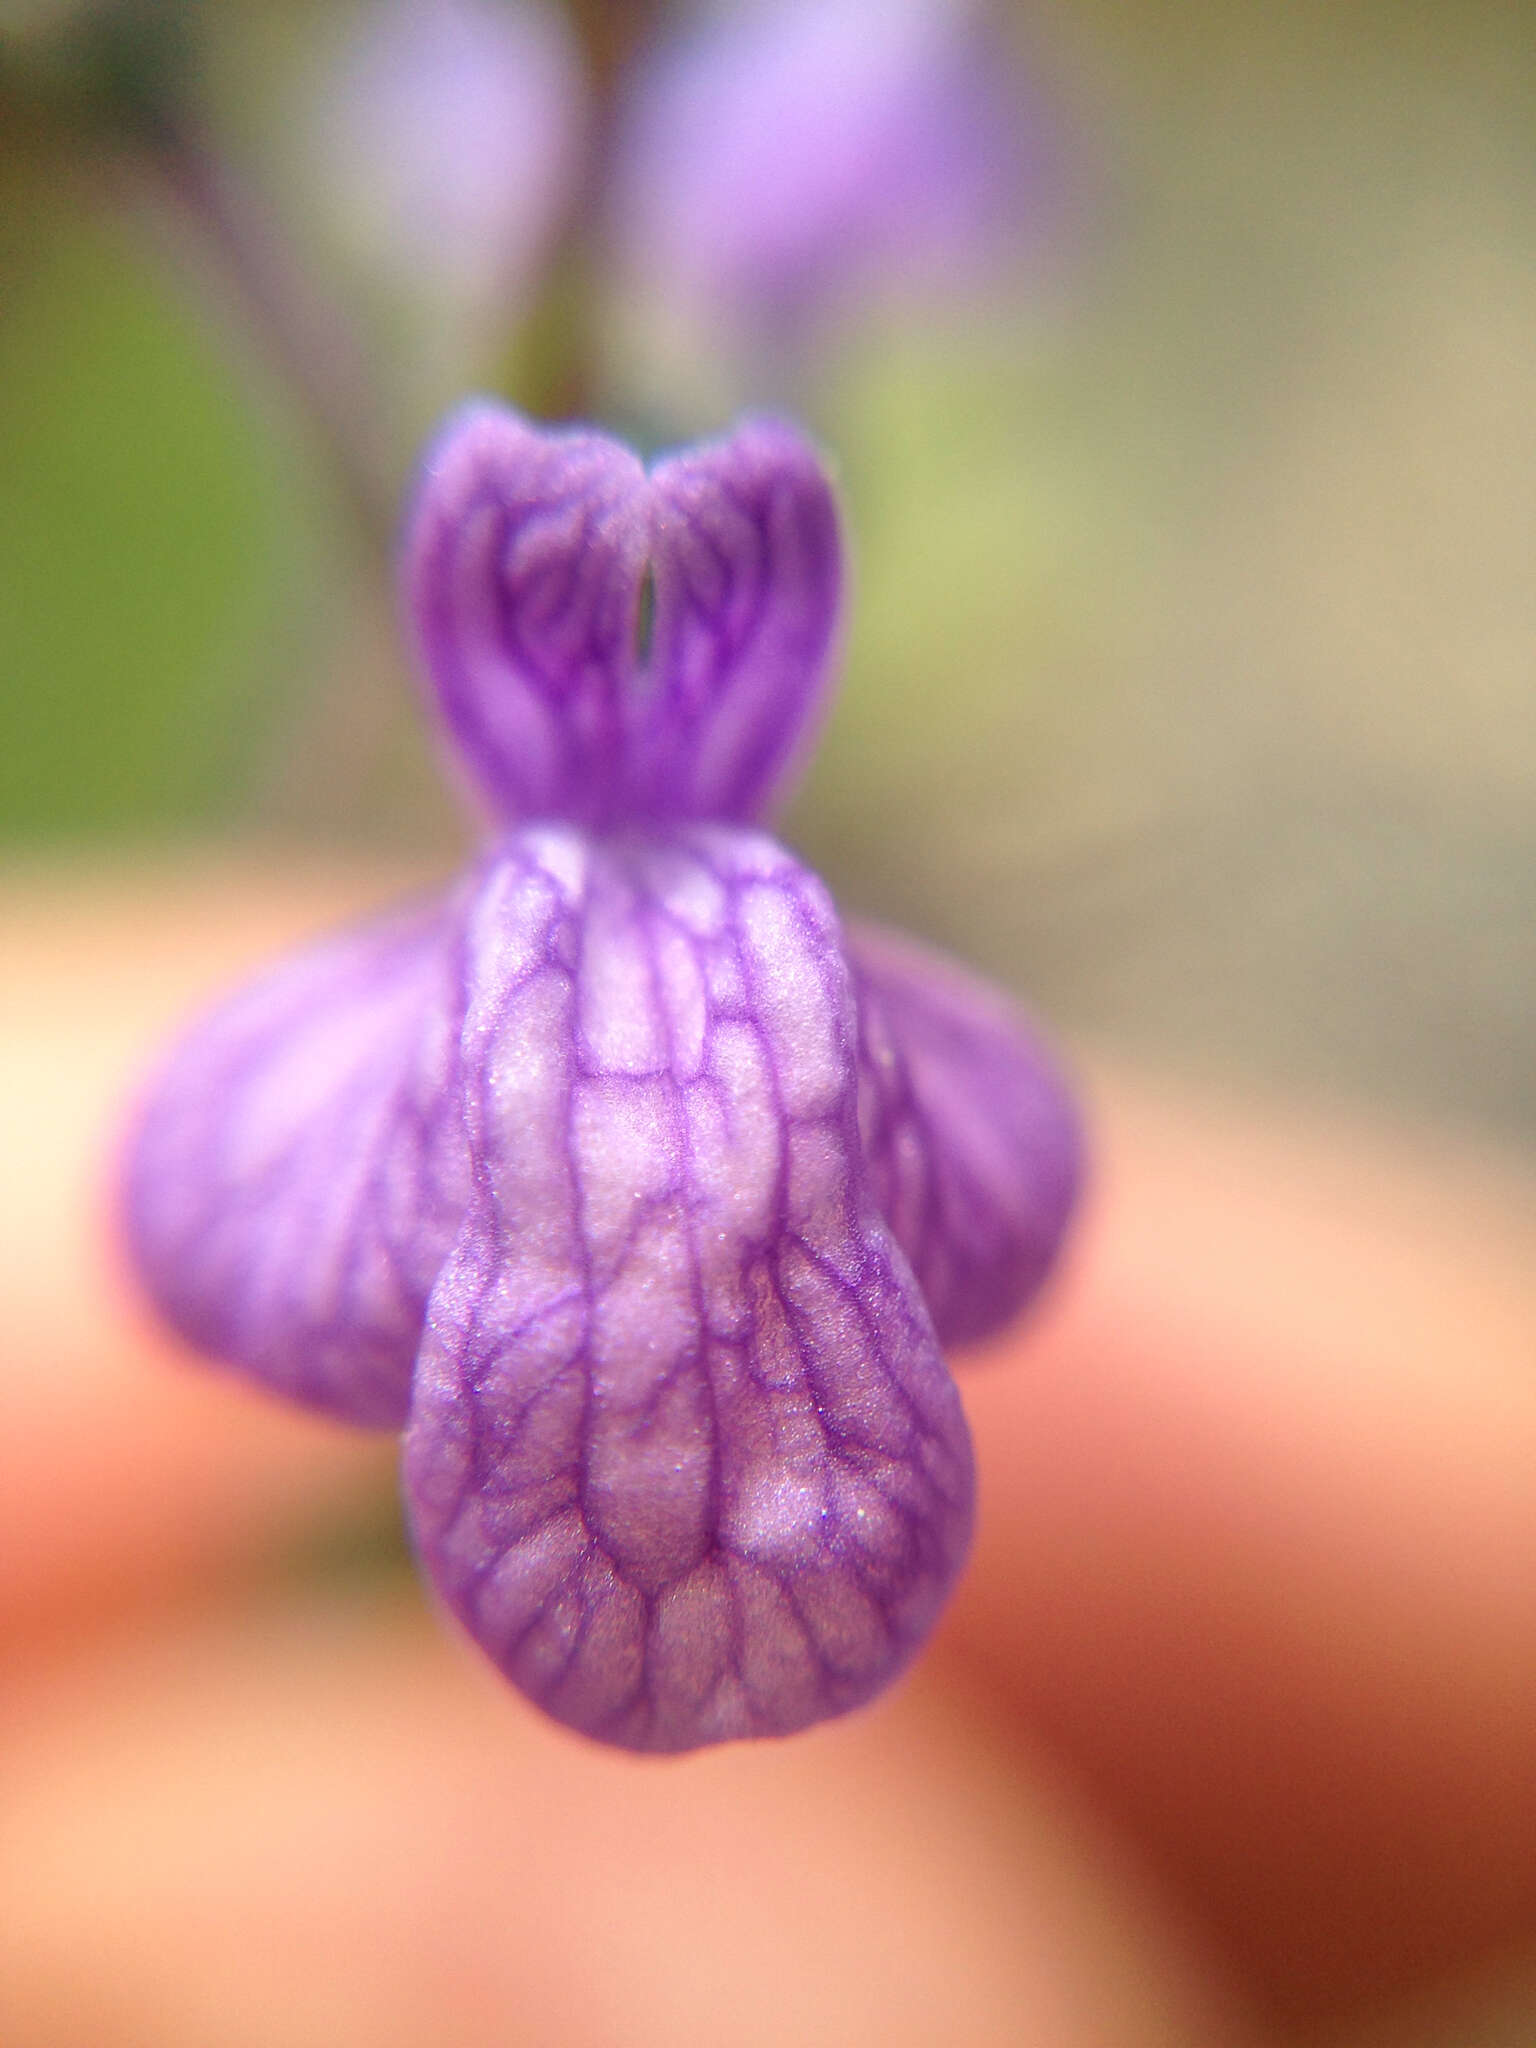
[303, 334]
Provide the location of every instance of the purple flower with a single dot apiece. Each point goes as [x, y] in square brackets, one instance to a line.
[448, 135]
[639, 1191]
[795, 158]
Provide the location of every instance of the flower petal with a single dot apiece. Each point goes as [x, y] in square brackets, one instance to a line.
[972, 1141]
[683, 1454]
[532, 561]
[748, 567]
[523, 565]
[298, 1169]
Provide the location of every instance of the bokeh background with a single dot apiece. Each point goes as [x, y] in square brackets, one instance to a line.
[1189, 463]
[1191, 681]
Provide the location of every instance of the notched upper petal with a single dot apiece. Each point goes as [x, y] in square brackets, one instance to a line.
[608, 646]
[523, 561]
[972, 1139]
[298, 1168]
[748, 569]
[683, 1454]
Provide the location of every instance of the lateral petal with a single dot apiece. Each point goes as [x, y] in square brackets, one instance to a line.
[298, 1169]
[972, 1141]
[683, 1455]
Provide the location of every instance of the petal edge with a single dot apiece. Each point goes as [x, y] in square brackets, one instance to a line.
[297, 1171]
[684, 1457]
[974, 1145]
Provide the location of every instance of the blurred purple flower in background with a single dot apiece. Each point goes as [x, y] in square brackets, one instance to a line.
[791, 161]
[447, 137]
[760, 175]
[639, 1191]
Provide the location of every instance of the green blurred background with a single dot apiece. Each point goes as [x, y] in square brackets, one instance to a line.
[1191, 685]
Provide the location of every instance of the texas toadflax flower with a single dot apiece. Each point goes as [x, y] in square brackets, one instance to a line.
[638, 1190]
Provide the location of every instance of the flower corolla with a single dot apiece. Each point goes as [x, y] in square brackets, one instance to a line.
[628, 1181]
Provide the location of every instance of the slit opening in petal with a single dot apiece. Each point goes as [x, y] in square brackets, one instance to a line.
[645, 623]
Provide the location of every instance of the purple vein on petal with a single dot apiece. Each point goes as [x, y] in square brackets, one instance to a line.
[523, 561]
[683, 1455]
[526, 560]
[298, 1169]
[972, 1139]
[748, 588]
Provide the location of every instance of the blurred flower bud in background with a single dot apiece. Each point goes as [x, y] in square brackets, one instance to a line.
[784, 167]
[1180, 388]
